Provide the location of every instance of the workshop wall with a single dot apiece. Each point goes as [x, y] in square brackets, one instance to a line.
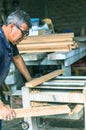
[67, 15]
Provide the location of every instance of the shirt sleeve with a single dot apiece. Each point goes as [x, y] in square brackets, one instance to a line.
[15, 51]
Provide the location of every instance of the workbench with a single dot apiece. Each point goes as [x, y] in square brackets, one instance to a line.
[60, 90]
[64, 59]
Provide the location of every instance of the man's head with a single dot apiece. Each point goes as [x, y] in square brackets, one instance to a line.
[18, 24]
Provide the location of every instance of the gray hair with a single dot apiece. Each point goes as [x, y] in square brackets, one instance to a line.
[18, 17]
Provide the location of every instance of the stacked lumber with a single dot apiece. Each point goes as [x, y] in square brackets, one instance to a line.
[48, 43]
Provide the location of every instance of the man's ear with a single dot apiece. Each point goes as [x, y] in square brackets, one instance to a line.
[11, 27]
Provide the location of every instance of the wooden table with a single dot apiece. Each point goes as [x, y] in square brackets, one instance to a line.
[65, 59]
[61, 90]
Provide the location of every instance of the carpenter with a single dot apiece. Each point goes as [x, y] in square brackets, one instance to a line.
[15, 29]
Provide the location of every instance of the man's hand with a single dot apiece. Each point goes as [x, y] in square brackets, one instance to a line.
[6, 112]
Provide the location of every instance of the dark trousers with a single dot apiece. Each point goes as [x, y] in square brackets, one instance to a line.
[0, 124]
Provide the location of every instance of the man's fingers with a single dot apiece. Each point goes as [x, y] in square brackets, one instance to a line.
[7, 113]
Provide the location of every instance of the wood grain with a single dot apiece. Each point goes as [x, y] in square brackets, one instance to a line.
[37, 81]
[42, 111]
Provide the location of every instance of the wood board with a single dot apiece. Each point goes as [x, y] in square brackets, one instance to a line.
[44, 78]
[42, 111]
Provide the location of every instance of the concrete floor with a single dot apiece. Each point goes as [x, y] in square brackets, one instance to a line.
[12, 125]
[54, 125]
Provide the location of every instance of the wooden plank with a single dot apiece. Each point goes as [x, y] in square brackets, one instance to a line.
[46, 45]
[40, 111]
[44, 78]
[43, 39]
[52, 96]
[49, 49]
[77, 112]
[49, 38]
[44, 50]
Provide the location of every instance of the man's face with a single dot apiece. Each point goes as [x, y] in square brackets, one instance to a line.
[18, 33]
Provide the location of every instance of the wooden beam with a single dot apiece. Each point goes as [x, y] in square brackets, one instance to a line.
[67, 49]
[44, 50]
[44, 44]
[49, 38]
[44, 78]
[47, 45]
[40, 48]
[77, 112]
[41, 111]
[42, 39]
[52, 96]
[51, 46]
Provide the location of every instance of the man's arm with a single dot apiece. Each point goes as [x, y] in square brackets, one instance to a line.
[19, 62]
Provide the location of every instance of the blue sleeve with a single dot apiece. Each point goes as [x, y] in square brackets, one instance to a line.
[15, 51]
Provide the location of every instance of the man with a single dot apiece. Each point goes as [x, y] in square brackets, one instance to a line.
[12, 32]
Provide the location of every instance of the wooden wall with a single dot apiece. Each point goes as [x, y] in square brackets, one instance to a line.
[67, 15]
